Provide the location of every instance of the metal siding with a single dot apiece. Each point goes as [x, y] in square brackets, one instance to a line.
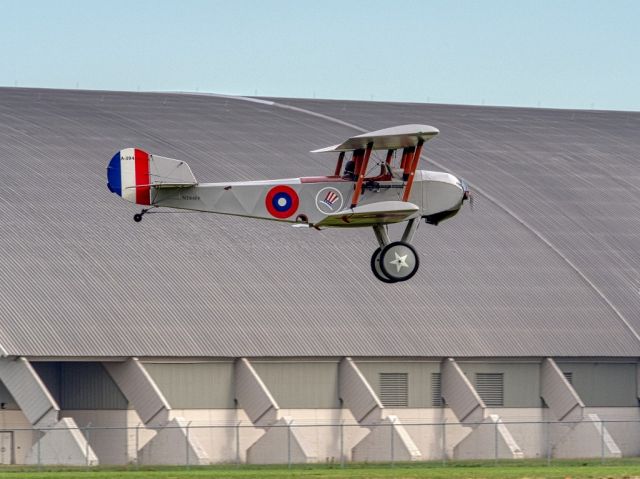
[459, 394]
[251, 392]
[80, 385]
[603, 384]
[301, 384]
[50, 374]
[89, 386]
[138, 387]
[202, 385]
[554, 234]
[556, 391]
[6, 399]
[355, 391]
[521, 380]
[419, 375]
[26, 387]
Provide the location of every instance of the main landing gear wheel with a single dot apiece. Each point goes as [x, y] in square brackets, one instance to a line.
[399, 261]
[375, 267]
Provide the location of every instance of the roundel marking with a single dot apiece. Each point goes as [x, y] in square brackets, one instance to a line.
[282, 201]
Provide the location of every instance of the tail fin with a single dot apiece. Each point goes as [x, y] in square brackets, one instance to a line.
[132, 173]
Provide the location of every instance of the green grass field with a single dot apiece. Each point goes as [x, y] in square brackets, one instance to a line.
[588, 469]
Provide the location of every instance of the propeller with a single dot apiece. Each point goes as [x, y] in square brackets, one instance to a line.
[467, 193]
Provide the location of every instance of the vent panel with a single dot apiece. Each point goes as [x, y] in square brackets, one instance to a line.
[394, 389]
[568, 376]
[490, 387]
[436, 390]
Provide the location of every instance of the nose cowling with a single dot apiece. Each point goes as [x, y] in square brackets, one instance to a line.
[443, 195]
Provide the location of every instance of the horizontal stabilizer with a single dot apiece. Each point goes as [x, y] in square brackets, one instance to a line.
[168, 172]
[132, 173]
[383, 212]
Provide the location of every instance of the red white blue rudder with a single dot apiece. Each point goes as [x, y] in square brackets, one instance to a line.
[133, 173]
[128, 176]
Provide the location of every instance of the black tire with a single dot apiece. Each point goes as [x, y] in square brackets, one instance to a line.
[375, 267]
[137, 217]
[393, 275]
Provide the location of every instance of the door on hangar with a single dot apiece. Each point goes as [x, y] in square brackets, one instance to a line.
[6, 447]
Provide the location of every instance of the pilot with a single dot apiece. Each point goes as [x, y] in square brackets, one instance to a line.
[349, 170]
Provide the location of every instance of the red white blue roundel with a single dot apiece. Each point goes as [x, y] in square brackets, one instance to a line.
[282, 201]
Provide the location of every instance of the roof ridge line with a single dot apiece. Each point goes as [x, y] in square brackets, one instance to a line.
[500, 205]
[573, 266]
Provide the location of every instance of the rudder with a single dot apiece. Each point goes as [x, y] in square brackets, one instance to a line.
[128, 176]
[133, 173]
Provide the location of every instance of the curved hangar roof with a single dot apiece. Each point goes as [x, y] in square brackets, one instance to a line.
[546, 264]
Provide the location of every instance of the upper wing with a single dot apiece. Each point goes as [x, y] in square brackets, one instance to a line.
[393, 138]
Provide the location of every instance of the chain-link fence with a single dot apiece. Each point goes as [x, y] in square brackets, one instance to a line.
[291, 442]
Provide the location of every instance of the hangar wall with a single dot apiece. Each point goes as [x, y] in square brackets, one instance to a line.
[195, 385]
[306, 384]
[80, 385]
[419, 379]
[520, 380]
[603, 384]
[309, 403]
[6, 399]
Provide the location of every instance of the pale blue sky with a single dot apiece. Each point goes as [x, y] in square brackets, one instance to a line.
[564, 54]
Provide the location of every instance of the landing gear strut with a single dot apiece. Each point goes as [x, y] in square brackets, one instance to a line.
[395, 261]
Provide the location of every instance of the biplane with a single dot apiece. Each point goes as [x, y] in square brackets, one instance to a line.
[361, 192]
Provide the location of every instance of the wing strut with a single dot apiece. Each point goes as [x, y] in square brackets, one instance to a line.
[413, 165]
[361, 173]
[406, 157]
[339, 164]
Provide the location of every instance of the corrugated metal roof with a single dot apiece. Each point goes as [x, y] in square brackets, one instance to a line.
[548, 266]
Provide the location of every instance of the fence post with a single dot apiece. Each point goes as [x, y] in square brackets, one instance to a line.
[238, 443]
[87, 436]
[444, 442]
[187, 443]
[342, 443]
[495, 442]
[138, 446]
[602, 442]
[392, 444]
[548, 439]
[289, 444]
[39, 446]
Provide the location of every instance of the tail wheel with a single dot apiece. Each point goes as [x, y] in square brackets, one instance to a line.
[377, 271]
[399, 261]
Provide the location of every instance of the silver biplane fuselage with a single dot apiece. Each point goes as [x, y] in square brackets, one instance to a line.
[433, 194]
[351, 197]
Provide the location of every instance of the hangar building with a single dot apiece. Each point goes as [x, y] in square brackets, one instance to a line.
[518, 337]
